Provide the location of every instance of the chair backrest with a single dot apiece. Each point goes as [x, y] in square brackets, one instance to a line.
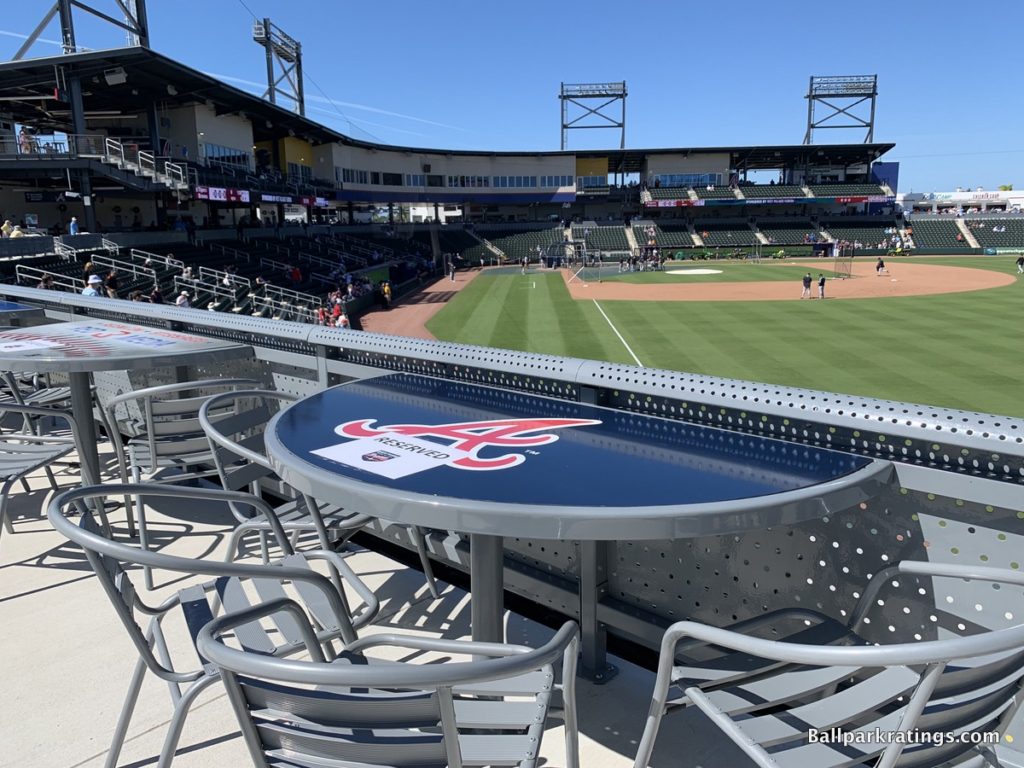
[953, 684]
[112, 560]
[354, 712]
[170, 420]
[236, 442]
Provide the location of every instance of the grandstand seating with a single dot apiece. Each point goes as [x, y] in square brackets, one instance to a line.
[936, 233]
[665, 235]
[514, 243]
[455, 240]
[674, 193]
[716, 234]
[715, 193]
[845, 190]
[869, 235]
[602, 238]
[767, 191]
[793, 232]
[983, 232]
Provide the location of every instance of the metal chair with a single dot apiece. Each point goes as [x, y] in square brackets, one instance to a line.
[164, 433]
[237, 446]
[235, 587]
[353, 711]
[32, 389]
[826, 696]
[23, 452]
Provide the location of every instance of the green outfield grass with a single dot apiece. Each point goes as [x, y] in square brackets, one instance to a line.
[962, 350]
[732, 272]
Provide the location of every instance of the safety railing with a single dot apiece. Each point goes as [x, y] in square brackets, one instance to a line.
[66, 252]
[206, 291]
[282, 309]
[31, 276]
[168, 262]
[137, 271]
[232, 253]
[110, 246]
[219, 276]
[297, 298]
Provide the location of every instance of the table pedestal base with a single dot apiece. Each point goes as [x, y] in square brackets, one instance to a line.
[487, 587]
[81, 407]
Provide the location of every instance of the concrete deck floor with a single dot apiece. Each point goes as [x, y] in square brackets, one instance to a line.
[65, 660]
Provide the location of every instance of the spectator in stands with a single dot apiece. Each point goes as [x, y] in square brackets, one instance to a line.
[155, 296]
[112, 283]
[93, 285]
[182, 300]
[17, 232]
[46, 283]
[73, 228]
[343, 321]
[137, 296]
[7, 228]
[186, 273]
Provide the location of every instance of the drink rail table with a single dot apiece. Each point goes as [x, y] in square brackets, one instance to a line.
[492, 463]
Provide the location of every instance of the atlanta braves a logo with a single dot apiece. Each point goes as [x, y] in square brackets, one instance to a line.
[475, 436]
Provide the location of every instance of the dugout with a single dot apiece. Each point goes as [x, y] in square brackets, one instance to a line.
[823, 250]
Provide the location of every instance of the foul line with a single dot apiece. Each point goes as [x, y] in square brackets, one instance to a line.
[616, 331]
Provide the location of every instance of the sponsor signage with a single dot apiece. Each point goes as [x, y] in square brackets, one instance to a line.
[222, 194]
[855, 199]
[672, 203]
[43, 197]
[321, 202]
[266, 198]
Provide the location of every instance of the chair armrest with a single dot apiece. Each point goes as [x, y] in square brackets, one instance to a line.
[365, 593]
[39, 410]
[229, 621]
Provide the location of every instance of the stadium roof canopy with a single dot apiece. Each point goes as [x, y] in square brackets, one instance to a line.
[27, 93]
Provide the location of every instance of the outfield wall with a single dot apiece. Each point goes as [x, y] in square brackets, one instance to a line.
[956, 493]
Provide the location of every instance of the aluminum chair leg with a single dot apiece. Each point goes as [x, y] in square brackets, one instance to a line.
[421, 549]
[140, 512]
[5, 520]
[178, 719]
[127, 709]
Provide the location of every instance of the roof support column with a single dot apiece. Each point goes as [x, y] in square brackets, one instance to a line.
[79, 129]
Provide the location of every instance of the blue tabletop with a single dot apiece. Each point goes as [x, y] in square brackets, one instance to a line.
[11, 306]
[425, 436]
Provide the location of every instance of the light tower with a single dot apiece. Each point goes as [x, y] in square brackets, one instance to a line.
[284, 53]
[841, 95]
[593, 117]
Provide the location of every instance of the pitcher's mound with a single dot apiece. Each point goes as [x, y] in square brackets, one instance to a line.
[694, 271]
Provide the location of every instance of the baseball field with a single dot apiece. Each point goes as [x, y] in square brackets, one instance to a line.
[958, 343]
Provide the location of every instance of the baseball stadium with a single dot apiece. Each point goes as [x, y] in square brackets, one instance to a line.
[681, 456]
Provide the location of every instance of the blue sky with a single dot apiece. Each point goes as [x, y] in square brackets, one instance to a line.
[486, 75]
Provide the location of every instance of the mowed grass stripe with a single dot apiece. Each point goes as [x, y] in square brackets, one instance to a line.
[478, 309]
[956, 350]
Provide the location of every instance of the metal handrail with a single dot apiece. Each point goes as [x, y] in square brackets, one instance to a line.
[281, 293]
[110, 246]
[218, 275]
[66, 252]
[124, 266]
[156, 258]
[63, 282]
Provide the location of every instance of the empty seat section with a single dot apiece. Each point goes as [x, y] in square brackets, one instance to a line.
[769, 191]
[734, 235]
[794, 232]
[998, 233]
[845, 190]
[602, 238]
[936, 233]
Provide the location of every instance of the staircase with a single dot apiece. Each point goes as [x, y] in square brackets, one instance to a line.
[631, 239]
[691, 194]
[145, 165]
[966, 232]
[761, 237]
[697, 239]
[739, 193]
